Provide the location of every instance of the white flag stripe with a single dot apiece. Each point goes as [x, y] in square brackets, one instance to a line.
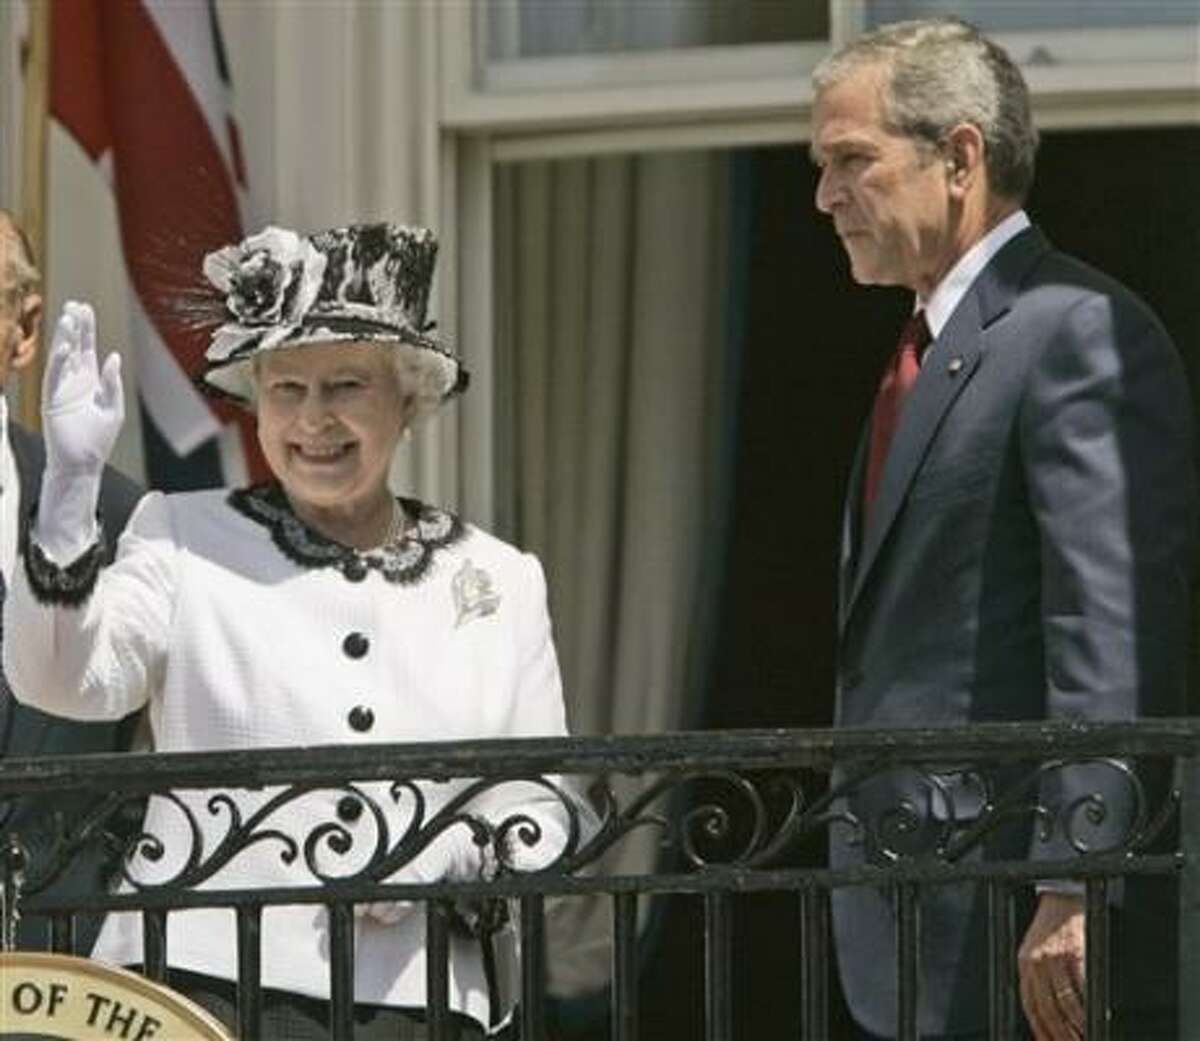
[176, 407]
[187, 33]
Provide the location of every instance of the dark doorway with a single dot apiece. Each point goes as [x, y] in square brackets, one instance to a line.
[1123, 200]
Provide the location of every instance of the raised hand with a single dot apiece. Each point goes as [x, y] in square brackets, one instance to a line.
[83, 405]
[82, 411]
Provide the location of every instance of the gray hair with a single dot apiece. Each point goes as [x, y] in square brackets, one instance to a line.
[415, 378]
[20, 275]
[941, 72]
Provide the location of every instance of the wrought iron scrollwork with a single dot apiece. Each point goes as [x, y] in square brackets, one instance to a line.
[1058, 808]
[894, 812]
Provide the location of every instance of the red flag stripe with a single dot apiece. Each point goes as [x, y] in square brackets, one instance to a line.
[76, 81]
[187, 34]
[176, 198]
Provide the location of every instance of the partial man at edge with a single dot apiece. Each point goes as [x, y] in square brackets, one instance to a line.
[26, 731]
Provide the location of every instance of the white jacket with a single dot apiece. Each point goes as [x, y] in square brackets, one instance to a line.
[233, 645]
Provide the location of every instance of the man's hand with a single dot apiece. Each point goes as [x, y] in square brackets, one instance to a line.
[1051, 967]
[82, 404]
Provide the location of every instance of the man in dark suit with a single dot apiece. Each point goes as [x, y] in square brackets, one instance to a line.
[25, 731]
[1019, 526]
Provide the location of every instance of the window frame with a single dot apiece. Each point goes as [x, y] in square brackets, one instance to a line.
[675, 103]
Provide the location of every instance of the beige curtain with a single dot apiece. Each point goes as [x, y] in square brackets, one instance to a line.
[612, 405]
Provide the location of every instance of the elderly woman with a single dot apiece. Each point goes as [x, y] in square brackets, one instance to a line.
[314, 609]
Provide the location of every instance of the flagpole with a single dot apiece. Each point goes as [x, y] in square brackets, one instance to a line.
[34, 117]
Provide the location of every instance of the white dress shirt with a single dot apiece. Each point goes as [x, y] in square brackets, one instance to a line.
[953, 287]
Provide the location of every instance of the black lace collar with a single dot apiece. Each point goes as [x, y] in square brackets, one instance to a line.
[406, 562]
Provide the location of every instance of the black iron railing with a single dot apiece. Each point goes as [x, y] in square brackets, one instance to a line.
[739, 809]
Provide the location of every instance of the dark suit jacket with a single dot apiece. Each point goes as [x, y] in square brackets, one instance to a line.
[28, 732]
[1029, 558]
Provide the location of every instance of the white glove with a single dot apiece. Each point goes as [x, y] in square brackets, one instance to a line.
[441, 861]
[386, 912]
[83, 407]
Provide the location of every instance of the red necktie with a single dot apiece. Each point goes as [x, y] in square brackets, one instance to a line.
[898, 379]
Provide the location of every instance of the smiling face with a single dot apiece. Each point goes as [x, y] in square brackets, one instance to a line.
[329, 419]
[892, 198]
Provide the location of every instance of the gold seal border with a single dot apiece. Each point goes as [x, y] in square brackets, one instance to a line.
[180, 1019]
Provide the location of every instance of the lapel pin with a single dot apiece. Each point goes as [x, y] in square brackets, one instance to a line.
[955, 366]
[473, 593]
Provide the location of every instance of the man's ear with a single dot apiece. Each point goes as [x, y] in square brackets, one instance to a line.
[963, 150]
[30, 323]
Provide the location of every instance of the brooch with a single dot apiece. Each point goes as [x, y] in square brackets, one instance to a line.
[473, 594]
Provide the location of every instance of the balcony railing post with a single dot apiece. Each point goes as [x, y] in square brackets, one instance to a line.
[533, 967]
[341, 970]
[625, 967]
[1002, 967]
[1189, 898]
[814, 962]
[718, 965]
[908, 959]
[437, 967]
[154, 944]
[1098, 958]
[249, 992]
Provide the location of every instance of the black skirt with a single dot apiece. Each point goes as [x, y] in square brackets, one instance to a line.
[296, 1017]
